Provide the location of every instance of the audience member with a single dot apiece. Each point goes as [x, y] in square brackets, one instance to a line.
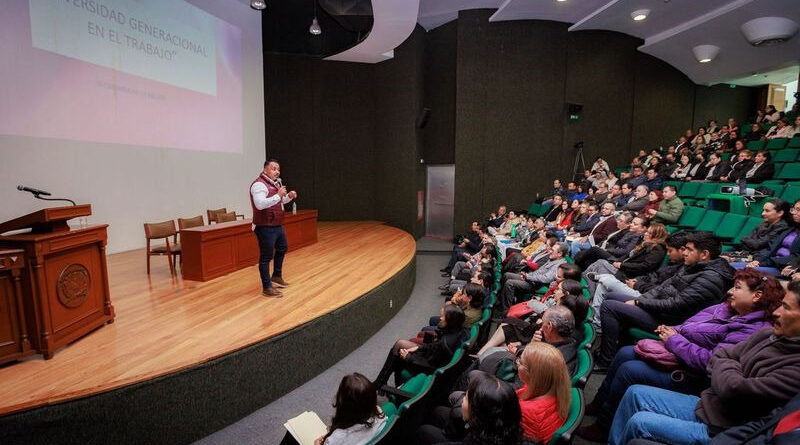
[776, 217]
[618, 245]
[744, 162]
[653, 181]
[678, 360]
[426, 357]
[748, 380]
[700, 283]
[545, 397]
[762, 169]
[682, 169]
[670, 209]
[784, 249]
[716, 167]
[639, 200]
[605, 225]
[357, 419]
[528, 282]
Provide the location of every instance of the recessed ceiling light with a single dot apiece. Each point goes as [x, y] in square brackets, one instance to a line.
[640, 14]
[705, 53]
[258, 5]
[561, 1]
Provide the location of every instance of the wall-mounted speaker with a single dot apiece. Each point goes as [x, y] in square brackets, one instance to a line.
[422, 118]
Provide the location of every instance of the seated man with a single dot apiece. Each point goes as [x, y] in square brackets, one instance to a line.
[748, 380]
[617, 246]
[470, 245]
[497, 218]
[640, 199]
[701, 282]
[521, 283]
[605, 226]
[670, 209]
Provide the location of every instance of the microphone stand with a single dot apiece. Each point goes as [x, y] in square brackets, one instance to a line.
[37, 196]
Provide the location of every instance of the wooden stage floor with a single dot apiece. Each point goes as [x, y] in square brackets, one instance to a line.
[165, 324]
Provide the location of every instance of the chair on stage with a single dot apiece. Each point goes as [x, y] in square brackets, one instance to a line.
[213, 214]
[163, 230]
[226, 217]
[187, 223]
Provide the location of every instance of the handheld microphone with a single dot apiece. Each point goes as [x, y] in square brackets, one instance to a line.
[32, 190]
[279, 182]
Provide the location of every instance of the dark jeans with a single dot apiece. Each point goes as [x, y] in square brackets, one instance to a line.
[455, 256]
[272, 243]
[615, 318]
[627, 369]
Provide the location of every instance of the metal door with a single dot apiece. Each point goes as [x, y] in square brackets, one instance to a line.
[440, 195]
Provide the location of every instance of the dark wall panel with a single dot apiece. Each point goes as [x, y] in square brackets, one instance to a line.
[721, 102]
[604, 85]
[509, 101]
[663, 103]
[438, 137]
[319, 125]
[397, 148]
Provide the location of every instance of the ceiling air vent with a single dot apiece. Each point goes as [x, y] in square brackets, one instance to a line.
[768, 31]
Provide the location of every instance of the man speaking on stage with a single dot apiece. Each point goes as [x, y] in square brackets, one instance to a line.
[268, 196]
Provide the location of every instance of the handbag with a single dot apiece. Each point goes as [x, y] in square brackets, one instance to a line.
[656, 353]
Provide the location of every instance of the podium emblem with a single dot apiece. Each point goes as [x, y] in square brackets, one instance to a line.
[73, 285]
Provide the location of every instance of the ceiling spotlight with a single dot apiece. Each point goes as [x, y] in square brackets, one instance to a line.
[560, 1]
[768, 31]
[640, 14]
[258, 5]
[705, 53]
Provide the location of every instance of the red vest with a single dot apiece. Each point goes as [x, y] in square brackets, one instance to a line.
[271, 216]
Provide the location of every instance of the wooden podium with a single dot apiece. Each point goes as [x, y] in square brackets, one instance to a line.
[65, 291]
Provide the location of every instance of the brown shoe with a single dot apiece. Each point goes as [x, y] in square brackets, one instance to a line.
[278, 282]
[272, 292]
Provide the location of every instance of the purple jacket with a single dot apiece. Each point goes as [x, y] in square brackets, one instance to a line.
[714, 327]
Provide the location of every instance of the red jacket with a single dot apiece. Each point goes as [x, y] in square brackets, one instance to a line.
[540, 419]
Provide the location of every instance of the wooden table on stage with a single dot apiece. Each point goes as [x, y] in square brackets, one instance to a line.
[218, 249]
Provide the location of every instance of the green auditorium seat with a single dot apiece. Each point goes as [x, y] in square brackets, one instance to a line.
[730, 226]
[794, 142]
[543, 209]
[563, 436]
[584, 369]
[534, 209]
[748, 226]
[689, 189]
[756, 145]
[638, 334]
[676, 184]
[786, 155]
[589, 336]
[705, 189]
[756, 208]
[791, 193]
[774, 144]
[773, 182]
[743, 130]
[691, 217]
[777, 189]
[789, 172]
[710, 221]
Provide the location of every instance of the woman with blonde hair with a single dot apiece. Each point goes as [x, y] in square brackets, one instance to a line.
[545, 396]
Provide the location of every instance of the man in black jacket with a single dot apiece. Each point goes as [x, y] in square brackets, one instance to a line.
[781, 427]
[470, 245]
[701, 282]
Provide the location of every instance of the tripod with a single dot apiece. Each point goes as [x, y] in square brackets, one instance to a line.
[579, 162]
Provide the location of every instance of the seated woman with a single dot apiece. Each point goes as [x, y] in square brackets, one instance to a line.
[470, 299]
[514, 330]
[684, 165]
[531, 261]
[783, 249]
[406, 354]
[545, 396]
[748, 381]
[490, 409]
[698, 170]
[358, 418]
[687, 347]
[762, 170]
[533, 227]
[654, 198]
[643, 259]
[776, 218]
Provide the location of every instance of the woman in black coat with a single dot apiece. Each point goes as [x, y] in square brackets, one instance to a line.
[426, 357]
[743, 164]
[762, 170]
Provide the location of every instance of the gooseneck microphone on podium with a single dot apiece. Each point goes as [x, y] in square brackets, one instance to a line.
[37, 193]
